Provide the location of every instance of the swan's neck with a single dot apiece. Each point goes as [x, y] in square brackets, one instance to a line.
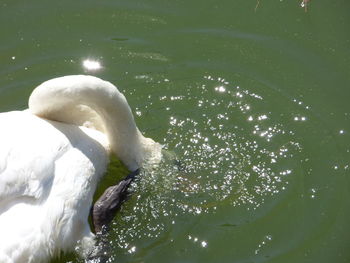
[92, 102]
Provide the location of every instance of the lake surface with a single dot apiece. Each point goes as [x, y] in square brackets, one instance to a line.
[253, 100]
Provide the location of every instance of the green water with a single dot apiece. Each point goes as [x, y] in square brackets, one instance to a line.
[253, 103]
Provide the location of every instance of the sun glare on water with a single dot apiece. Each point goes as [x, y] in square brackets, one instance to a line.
[91, 65]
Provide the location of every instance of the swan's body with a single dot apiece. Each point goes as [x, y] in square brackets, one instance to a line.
[50, 164]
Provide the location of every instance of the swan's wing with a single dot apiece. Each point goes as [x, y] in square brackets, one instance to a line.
[21, 174]
[29, 148]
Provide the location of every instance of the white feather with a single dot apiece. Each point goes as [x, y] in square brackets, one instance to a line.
[51, 158]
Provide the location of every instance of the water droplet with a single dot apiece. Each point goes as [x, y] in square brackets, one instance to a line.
[220, 89]
[313, 193]
[132, 250]
[262, 117]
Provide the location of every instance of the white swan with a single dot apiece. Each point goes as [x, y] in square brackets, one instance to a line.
[51, 158]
